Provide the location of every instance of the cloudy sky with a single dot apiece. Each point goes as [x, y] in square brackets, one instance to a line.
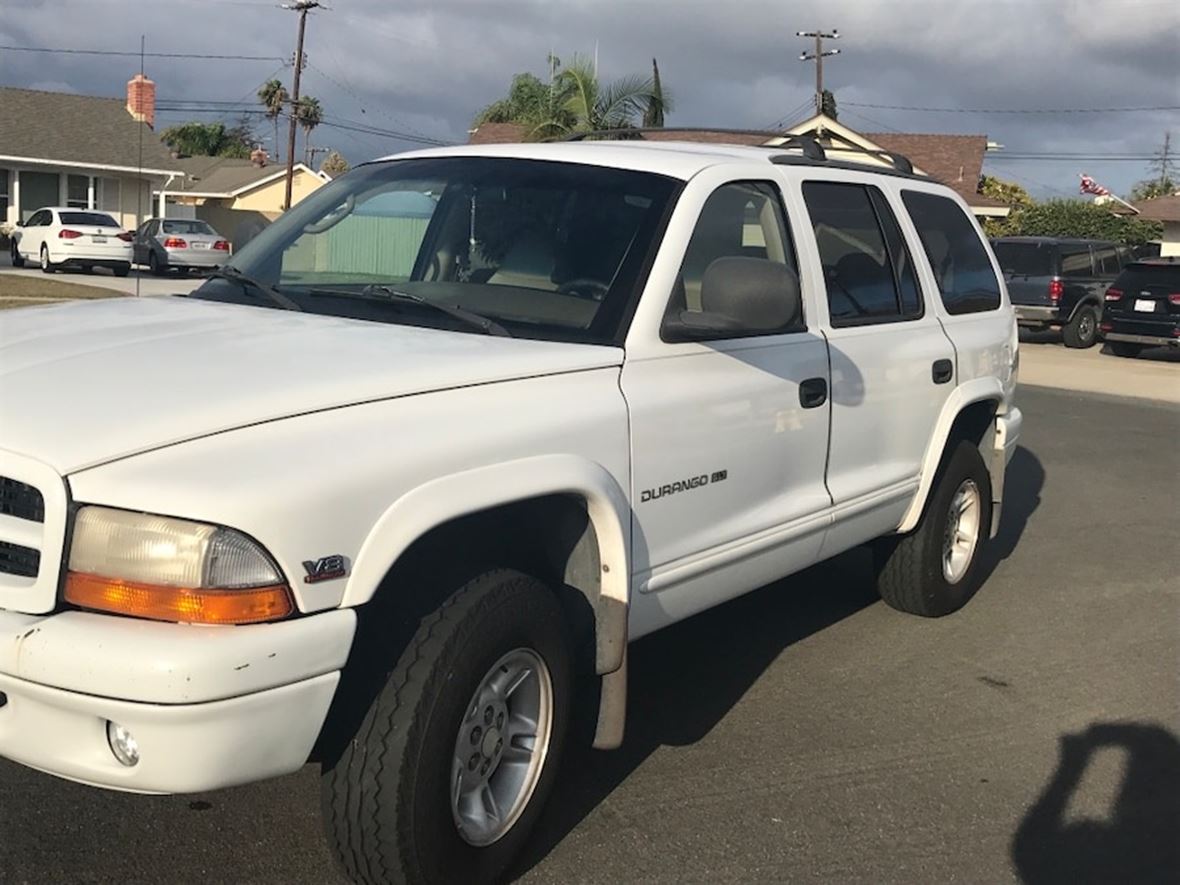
[425, 67]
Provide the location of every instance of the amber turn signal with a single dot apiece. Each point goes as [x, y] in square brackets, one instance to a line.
[251, 605]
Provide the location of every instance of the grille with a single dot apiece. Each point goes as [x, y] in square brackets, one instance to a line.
[24, 562]
[21, 500]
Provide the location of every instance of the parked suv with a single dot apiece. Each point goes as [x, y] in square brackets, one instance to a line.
[1058, 283]
[456, 429]
[1143, 307]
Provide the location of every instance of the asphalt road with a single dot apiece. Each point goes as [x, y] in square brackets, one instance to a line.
[806, 732]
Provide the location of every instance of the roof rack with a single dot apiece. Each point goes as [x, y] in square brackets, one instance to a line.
[812, 150]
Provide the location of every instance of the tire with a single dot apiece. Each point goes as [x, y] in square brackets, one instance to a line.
[912, 572]
[157, 269]
[1125, 348]
[18, 260]
[47, 266]
[387, 800]
[1082, 330]
[121, 270]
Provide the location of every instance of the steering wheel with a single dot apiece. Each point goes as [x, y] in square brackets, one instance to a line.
[584, 287]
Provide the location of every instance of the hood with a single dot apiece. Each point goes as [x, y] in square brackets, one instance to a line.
[90, 382]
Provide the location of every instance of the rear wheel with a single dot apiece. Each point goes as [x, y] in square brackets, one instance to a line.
[1125, 348]
[121, 270]
[155, 266]
[454, 758]
[47, 266]
[1082, 329]
[934, 570]
[17, 259]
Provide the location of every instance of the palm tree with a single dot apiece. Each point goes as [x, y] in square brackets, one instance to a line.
[653, 114]
[273, 96]
[310, 114]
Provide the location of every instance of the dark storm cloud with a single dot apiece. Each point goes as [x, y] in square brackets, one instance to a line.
[427, 66]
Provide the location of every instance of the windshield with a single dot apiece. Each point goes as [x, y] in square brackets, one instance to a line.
[548, 250]
[1024, 259]
[186, 227]
[96, 218]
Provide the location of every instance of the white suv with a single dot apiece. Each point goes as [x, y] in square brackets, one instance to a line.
[459, 427]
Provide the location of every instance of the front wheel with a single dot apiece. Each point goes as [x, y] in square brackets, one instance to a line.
[934, 570]
[17, 259]
[1082, 329]
[454, 758]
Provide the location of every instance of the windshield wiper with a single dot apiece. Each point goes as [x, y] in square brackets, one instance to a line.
[378, 292]
[229, 272]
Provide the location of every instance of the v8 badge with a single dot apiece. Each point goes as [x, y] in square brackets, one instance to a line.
[326, 568]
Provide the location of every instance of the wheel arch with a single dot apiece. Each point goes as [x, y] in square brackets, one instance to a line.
[969, 413]
[541, 493]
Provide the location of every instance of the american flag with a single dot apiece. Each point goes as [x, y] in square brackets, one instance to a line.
[1090, 186]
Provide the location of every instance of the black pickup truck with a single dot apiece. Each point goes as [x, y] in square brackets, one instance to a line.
[1057, 283]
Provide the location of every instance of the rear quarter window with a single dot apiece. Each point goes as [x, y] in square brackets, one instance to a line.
[962, 269]
[1146, 276]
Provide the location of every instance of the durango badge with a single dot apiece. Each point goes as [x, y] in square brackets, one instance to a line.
[325, 568]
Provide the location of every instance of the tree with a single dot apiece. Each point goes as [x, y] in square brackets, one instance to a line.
[274, 97]
[334, 164]
[576, 100]
[1083, 219]
[1154, 187]
[653, 115]
[1008, 192]
[209, 140]
[828, 104]
[309, 114]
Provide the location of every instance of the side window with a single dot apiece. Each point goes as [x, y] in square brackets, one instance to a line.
[867, 269]
[1075, 262]
[957, 255]
[40, 219]
[1106, 260]
[739, 220]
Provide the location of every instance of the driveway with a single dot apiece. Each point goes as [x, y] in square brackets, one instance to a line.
[807, 732]
[146, 283]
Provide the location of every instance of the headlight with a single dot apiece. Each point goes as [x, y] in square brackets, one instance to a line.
[171, 570]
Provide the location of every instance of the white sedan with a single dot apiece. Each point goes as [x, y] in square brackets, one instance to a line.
[58, 237]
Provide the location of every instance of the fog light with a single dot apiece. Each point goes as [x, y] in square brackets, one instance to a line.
[123, 745]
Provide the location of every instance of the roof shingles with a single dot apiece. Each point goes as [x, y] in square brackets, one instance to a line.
[68, 129]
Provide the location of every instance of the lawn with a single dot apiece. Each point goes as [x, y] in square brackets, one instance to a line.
[22, 291]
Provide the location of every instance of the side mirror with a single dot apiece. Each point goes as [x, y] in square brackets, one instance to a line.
[740, 296]
[19, 223]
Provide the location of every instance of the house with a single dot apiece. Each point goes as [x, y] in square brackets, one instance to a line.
[59, 149]
[1167, 210]
[227, 192]
[955, 160]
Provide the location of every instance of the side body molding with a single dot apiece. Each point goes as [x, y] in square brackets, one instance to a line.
[441, 500]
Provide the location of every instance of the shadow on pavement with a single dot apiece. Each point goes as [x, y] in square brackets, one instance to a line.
[1138, 843]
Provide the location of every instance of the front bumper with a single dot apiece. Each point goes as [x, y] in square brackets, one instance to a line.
[1007, 436]
[210, 707]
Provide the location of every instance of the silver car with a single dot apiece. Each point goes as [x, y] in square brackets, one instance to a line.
[182, 243]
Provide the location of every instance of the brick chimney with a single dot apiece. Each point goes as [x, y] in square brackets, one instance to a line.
[141, 99]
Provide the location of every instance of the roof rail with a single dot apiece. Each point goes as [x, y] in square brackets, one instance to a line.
[808, 144]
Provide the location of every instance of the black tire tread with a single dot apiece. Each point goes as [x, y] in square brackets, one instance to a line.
[1069, 332]
[390, 727]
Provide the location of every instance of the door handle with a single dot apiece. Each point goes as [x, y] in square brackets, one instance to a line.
[942, 371]
[813, 393]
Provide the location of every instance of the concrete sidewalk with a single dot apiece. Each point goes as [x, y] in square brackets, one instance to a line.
[1154, 375]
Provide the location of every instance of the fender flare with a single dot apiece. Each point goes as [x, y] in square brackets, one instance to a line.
[1087, 301]
[966, 394]
[441, 500]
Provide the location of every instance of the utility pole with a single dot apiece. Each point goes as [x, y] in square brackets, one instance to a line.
[313, 151]
[303, 7]
[818, 57]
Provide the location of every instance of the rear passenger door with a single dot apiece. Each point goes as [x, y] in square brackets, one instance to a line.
[892, 365]
[964, 279]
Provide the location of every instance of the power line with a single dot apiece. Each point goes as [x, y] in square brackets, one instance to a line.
[898, 107]
[112, 52]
